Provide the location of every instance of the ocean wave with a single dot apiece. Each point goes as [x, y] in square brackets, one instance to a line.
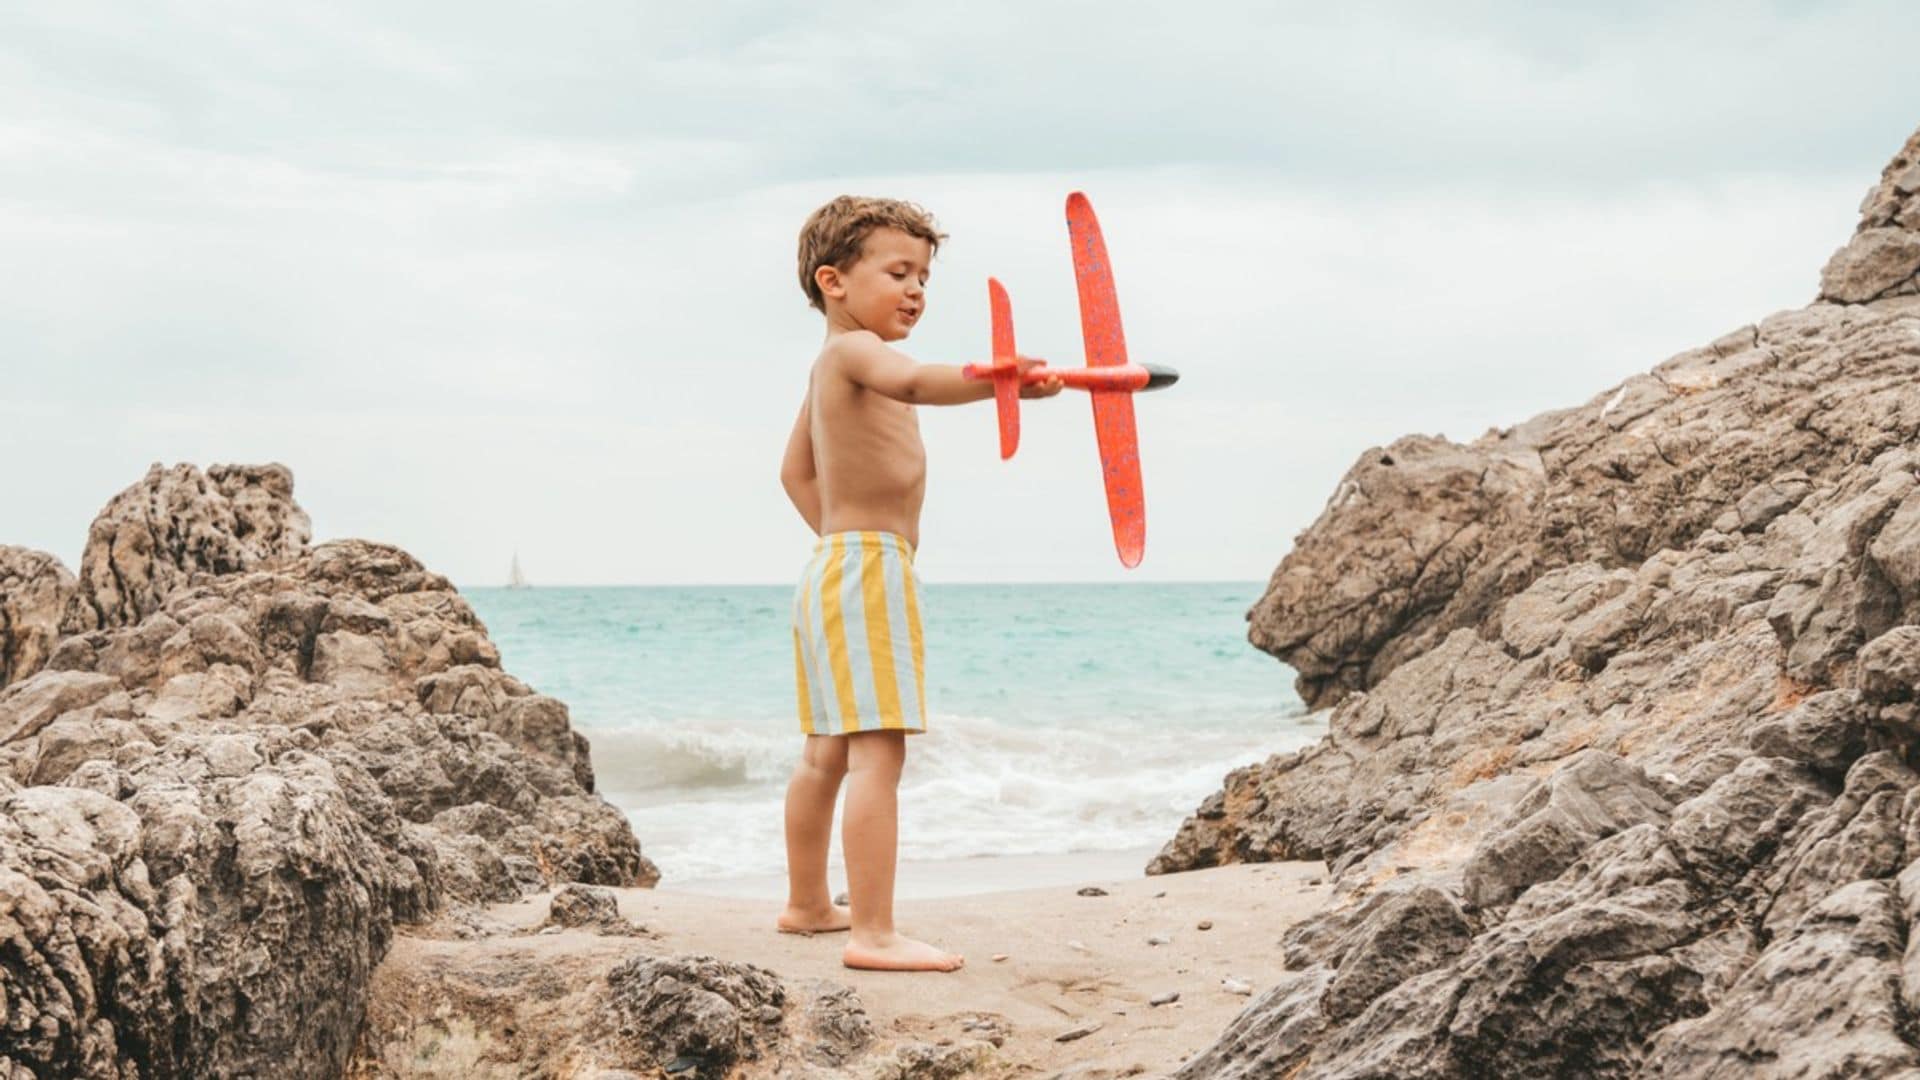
[706, 797]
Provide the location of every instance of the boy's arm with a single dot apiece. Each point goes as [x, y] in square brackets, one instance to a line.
[867, 360]
[797, 474]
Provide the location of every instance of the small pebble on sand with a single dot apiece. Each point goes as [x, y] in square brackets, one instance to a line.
[1093, 890]
[1166, 998]
[999, 956]
[1206, 924]
[1159, 939]
[841, 900]
[1076, 946]
[1080, 1032]
[1235, 986]
[1161, 895]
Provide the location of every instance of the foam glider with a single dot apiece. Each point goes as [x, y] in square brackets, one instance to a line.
[1109, 379]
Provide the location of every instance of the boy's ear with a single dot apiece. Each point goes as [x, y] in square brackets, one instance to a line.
[828, 278]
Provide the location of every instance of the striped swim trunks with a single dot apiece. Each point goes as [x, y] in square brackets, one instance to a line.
[857, 652]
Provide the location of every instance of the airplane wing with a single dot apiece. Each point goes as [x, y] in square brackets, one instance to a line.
[1112, 410]
[1006, 390]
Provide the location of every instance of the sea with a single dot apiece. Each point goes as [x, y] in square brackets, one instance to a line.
[1063, 718]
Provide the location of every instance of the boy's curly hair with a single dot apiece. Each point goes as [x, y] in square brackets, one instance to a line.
[835, 233]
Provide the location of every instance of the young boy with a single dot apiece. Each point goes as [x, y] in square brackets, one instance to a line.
[857, 472]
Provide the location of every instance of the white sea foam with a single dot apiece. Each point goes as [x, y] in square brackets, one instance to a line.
[706, 797]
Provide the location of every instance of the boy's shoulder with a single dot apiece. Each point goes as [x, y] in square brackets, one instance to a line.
[840, 348]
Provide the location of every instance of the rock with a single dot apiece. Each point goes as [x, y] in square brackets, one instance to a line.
[1593, 796]
[1427, 509]
[837, 1029]
[155, 536]
[1092, 890]
[585, 907]
[1165, 997]
[1079, 1032]
[28, 706]
[1159, 939]
[1826, 732]
[1871, 265]
[1274, 1035]
[1823, 1000]
[209, 830]
[1236, 986]
[1621, 705]
[1410, 933]
[1204, 924]
[37, 609]
[694, 1008]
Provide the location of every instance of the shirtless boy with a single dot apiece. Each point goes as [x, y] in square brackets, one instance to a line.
[857, 472]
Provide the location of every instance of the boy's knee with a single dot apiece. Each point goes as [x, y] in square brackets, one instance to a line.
[825, 757]
[876, 749]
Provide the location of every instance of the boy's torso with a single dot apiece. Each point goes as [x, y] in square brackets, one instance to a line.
[868, 455]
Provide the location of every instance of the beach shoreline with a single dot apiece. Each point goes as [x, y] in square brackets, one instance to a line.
[938, 879]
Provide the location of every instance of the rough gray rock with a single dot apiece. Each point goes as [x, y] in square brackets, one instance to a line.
[233, 776]
[1883, 258]
[176, 523]
[1823, 1000]
[715, 1013]
[1593, 796]
[37, 608]
[1623, 705]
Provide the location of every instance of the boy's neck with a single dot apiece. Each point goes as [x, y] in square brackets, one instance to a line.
[839, 322]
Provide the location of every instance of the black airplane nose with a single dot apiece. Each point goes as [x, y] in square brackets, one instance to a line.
[1158, 376]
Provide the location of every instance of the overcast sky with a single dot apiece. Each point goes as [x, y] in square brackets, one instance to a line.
[491, 278]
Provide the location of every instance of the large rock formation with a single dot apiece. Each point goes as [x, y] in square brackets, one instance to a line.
[230, 763]
[1624, 701]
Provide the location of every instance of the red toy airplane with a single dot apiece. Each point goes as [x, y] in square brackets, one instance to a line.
[1108, 378]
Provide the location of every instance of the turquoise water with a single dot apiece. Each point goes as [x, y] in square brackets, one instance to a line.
[1064, 717]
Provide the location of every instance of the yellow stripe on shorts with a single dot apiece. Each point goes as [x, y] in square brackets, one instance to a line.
[834, 623]
[913, 626]
[873, 590]
[800, 680]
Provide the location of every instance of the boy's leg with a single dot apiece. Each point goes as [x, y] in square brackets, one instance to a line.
[811, 793]
[870, 832]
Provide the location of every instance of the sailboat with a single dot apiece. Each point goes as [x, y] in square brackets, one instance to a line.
[516, 579]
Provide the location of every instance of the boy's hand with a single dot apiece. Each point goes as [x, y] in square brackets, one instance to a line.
[1046, 388]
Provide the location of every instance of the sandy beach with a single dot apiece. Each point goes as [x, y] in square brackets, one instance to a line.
[1071, 961]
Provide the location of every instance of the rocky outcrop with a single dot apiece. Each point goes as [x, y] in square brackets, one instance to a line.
[37, 608]
[233, 764]
[575, 997]
[1425, 537]
[1623, 702]
[178, 523]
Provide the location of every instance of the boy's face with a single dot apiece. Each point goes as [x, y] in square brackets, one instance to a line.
[885, 290]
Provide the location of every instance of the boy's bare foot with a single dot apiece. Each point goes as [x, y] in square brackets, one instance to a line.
[900, 954]
[796, 921]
